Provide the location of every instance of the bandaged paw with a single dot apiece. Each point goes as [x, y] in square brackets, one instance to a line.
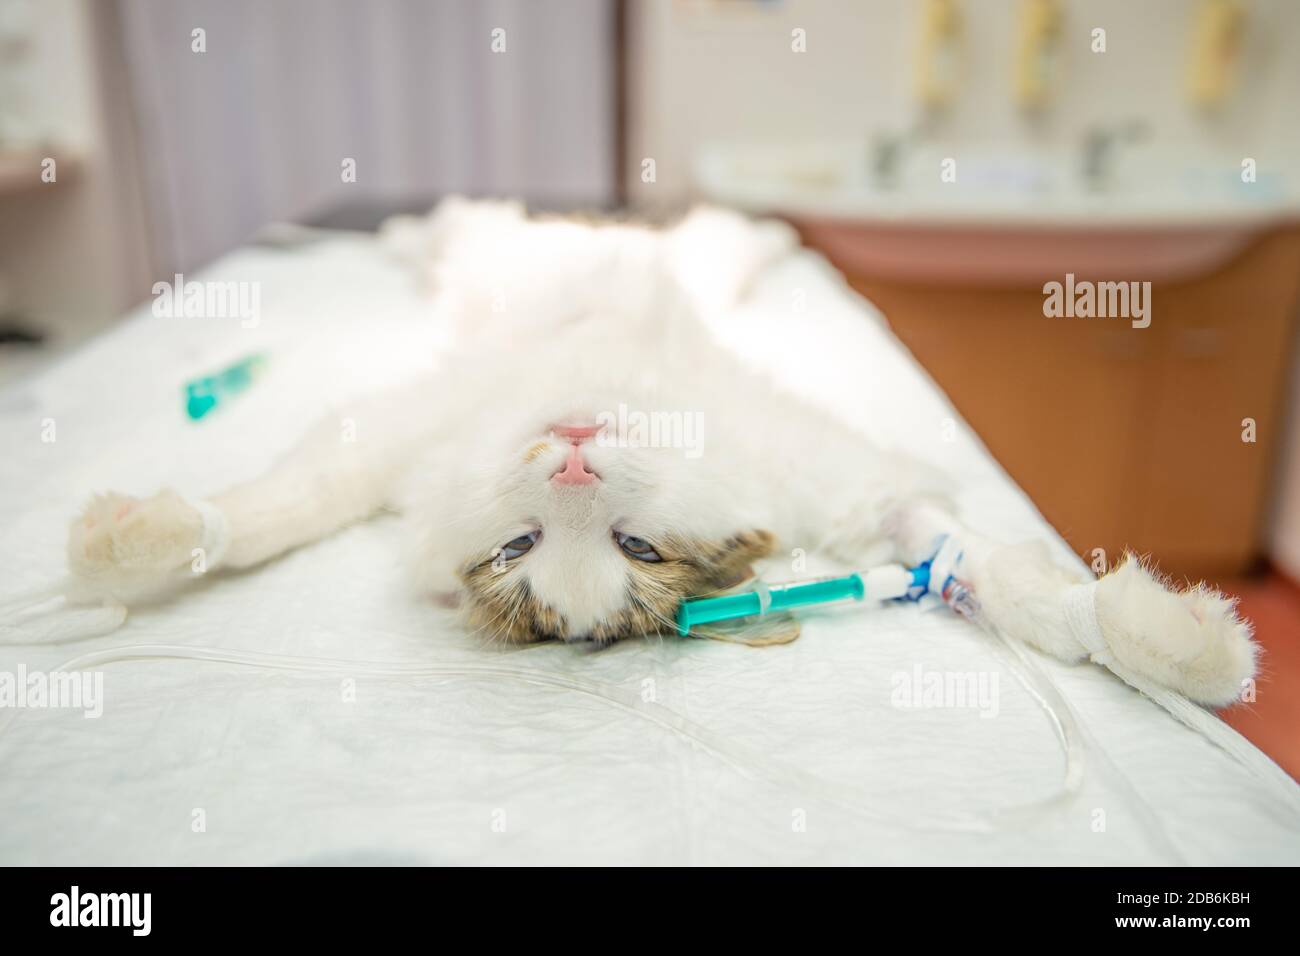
[122, 546]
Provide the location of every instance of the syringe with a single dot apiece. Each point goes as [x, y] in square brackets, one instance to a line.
[880, 584]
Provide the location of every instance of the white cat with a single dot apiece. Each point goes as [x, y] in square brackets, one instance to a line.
[534, 494]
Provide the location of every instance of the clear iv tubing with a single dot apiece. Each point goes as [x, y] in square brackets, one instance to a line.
[747, 762]
[1069, 734]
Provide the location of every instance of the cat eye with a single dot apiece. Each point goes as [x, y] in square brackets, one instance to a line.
[636, 547]
[514, 548]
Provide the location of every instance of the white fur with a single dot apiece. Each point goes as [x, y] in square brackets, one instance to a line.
[1192, 641]
[564, 323]
[130, 548]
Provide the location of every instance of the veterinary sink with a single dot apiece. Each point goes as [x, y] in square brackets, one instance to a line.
[983, 216]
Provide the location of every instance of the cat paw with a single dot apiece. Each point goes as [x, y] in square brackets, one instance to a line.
[1191, 640]
[123, 543]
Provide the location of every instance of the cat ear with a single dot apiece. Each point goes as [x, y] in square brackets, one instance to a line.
[754, 544]
[733, 561]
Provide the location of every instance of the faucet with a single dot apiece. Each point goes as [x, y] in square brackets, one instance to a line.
[1099, 144]
[887, 153]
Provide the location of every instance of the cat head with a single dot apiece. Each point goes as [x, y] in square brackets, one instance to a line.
[557, 528]
[584, 533]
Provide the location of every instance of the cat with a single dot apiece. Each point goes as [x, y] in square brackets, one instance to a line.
[532, 497]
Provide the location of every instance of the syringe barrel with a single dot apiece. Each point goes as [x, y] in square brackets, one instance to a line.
[780, 598]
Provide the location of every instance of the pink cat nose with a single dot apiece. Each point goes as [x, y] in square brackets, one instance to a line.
[575, 470]
[576, 433]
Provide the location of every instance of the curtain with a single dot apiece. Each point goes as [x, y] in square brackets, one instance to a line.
[258, 127]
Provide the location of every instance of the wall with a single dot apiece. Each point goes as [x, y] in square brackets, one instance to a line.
[73, 253]
[724, 71]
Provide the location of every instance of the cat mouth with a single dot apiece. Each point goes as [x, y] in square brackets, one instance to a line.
[576, 433]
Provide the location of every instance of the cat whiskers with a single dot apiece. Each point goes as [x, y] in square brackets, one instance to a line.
[654, 614]
[510, 600]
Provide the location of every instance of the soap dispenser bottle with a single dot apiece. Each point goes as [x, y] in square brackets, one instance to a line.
[1038, 54]
[939, 55]
[1215, 52]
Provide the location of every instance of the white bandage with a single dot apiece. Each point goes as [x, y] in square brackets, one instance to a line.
[946, 563]
[1081, 614]
[887, 582]
[216, 533]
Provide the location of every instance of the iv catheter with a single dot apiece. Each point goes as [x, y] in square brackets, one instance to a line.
[884, 583]
[205, 393]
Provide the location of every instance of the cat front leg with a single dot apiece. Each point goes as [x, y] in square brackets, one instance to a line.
[331, 479]
[344, 470]
[1192, 640]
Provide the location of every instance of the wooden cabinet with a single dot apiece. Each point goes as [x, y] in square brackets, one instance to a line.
[1124, 437]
